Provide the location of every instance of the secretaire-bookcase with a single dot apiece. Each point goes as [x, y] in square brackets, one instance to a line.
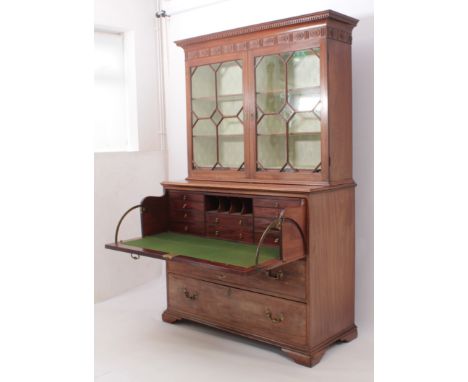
[259, 239]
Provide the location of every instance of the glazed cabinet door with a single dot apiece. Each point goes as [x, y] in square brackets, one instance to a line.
[288, 123]
[216, 108]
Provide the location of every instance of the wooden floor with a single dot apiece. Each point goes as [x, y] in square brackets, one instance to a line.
[133, 344]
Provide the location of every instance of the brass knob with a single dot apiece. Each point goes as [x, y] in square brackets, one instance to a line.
[184, 205]
[275, 320]
[217, 233]
[241, 222]
[276, 241]
[190, 296]
[276, 276]
[221, 276]
[185, 215]
[217, 220]
[241, 236]
[186, 228]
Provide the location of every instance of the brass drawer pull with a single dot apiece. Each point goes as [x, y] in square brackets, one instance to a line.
[217, 220]
[241, 222]
[276, 204]
[184, 197]
[185, 215]
[184, 206]
[190, 296]
[241, 236]
[186, 228]
[221, 276]
[217, 233]
[275, 320]
[276, 241]
[276, 276]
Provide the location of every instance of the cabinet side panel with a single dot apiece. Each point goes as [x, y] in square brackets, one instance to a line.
[340, 111]
[331, 264]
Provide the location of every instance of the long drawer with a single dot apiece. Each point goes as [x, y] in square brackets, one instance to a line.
[277, 319]
[287, 281]
[237, 234]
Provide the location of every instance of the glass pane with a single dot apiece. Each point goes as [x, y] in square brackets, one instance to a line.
[271, 151]
[204, 143]
[270, 83]
[230, 106]
[231, 150]
[204, 127]
[231, 126]
[304, 123]
[271, 124]
[229, 78]
[304, 151]
[203, 91]
[303, 70]
[271, 102]
[204, 151]
[304, 99]
[231, 142]
[203, 82]
[203, 108]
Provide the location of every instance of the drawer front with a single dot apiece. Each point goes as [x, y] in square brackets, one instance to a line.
[186, 196]
[280, 320]
[235, 221]
[267, 212]
[186, 215]
[236, 234]
[194, 228]
[177, 204]
[287, 281]
[261, 223]
[277, 203]
[272, 238]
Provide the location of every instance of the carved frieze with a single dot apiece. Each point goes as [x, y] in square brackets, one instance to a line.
[284, 38]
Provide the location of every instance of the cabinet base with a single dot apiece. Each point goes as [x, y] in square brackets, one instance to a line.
[314, 357]
[304, 358]
[170, 318]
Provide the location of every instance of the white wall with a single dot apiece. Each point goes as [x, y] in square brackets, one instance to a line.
[233, 14]
[123, 179]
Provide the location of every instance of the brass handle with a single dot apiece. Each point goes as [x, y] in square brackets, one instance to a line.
[241, 236]
[276, 204]
[221, 276]
[185, 215]
[186, 228]
[217, 233]
[276, 276]
[184, 205]
[240, 222]
[217, 220]
[190, 296]
[276, 241]
[275, 320]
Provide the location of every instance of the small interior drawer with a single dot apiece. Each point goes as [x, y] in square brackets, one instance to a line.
[227, 233]
[277, 203]
[186, 196]
[275, 318]
[186, 215]
[267, 212]
[272, 237]
[229, 220]
[180, 204]
[196, 228]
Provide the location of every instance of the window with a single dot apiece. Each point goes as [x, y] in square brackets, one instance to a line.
[114, 127]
